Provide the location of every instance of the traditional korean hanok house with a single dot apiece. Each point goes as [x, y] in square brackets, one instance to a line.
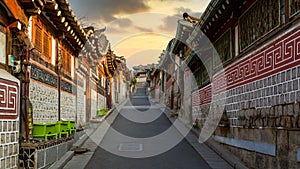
[116, 83]
[183, 55]
[177, 67]
[87, 77]
[258, 44]
[102, 45]
[109, 70]
[57, 38]
[154, 81]
[121, 82]
[157, 77]
[91, 92]
[14, 52]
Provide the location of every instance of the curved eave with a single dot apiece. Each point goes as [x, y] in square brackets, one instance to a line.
[65, 20]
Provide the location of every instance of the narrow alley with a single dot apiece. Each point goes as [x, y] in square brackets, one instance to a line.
[149, 84]
[126, 153]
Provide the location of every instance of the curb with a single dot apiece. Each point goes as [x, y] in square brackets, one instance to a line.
[63, 160]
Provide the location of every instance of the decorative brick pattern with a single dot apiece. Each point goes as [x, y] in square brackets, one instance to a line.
[44, 101]
[9, 146]
[81, 99]
[67, 106]
[101, 101]
[94, 105]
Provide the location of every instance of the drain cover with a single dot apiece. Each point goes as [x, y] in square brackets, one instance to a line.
[133, 147]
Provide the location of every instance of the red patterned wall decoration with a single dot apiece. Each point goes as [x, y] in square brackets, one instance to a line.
[202, 96]
[283, 53]
[9, 99]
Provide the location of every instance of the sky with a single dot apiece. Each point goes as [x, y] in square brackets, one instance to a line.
[137, 29]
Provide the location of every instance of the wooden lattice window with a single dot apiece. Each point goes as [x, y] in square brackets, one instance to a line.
[66, 56]
[200, 69]
[223, 48]
[294, 6]
[259, 20]
[47, 45]
[38, 43]
[42, 39]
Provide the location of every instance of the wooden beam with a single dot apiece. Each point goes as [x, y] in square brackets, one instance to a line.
[35, 11]
[51, 6]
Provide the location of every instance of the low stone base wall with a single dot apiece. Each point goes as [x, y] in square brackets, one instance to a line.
[43, 155]
[262, 147]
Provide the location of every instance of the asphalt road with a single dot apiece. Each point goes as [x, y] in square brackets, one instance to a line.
[132, 154]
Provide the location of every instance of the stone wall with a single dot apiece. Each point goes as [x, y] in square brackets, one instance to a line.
[94, 105]
[44, 101]
[261, 119]
[101, 102]
[68, 106]
[68, 100]
[9, 120]
[81, 99]
[43, 94]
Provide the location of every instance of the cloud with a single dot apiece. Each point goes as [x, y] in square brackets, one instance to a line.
[169, 23]
[122, 23]
[142, 29]
[106, 10]
[114, 30]
[181, 10]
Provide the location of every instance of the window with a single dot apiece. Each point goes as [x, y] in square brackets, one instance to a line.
[66, 58]
[259, 20]
[42, 39]
[294, 6]
[200, 70]
[223, 48]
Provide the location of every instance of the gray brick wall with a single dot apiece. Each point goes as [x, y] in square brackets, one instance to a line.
[274, 97]
[81, 116]
[9, 146]
[44, 100]
[68, 106]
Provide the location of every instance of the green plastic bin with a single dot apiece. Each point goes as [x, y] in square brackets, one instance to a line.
[101, 112]
[70, 126]
[62, 129]
[45, 130]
